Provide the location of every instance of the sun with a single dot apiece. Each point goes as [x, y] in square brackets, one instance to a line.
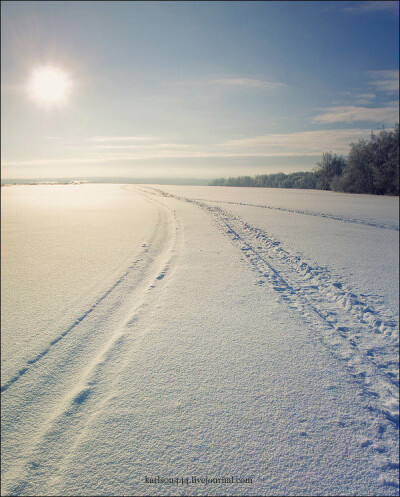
[49, 86]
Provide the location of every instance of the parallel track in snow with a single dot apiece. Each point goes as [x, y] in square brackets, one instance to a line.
[73, 379]
[362, 335]
[373, 223]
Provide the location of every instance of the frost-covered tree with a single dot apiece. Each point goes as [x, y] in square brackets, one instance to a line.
[372, 165]
[385, 163]
[328, 167]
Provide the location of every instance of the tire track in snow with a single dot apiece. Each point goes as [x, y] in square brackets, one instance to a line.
[374, 224]
[64, 333]
[85, 399]
[132, 269]
[361, 337]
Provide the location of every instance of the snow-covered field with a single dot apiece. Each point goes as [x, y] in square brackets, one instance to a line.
[176, 340]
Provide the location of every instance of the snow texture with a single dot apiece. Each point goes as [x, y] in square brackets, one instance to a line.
[168, 340]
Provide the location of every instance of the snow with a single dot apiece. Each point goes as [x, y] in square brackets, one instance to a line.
[169, 332]
[63, 247]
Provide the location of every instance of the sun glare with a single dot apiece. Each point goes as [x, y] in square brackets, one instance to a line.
[49, 86]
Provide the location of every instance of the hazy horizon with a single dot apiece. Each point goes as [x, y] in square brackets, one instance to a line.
[191, 90]
[110, 179]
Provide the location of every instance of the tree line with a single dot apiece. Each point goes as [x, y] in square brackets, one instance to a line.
[372, 166]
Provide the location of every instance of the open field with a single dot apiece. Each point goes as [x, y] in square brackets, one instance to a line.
[241, 334]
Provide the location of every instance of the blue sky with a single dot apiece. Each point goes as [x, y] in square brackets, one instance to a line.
[194, 89]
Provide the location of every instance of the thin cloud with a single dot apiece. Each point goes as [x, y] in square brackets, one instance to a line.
[350, 98]
[239, 83]
[51, 162]
[142, 147]
[365, 98]
[212, 154]
[139, 138]
[352, 113]
[248, 83]
[311, 143]
[301, 144]
[390, 7]
[384, 81]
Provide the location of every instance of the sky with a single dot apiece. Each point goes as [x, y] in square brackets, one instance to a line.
[192, 89]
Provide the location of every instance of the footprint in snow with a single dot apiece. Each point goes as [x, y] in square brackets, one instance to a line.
[82, 396]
